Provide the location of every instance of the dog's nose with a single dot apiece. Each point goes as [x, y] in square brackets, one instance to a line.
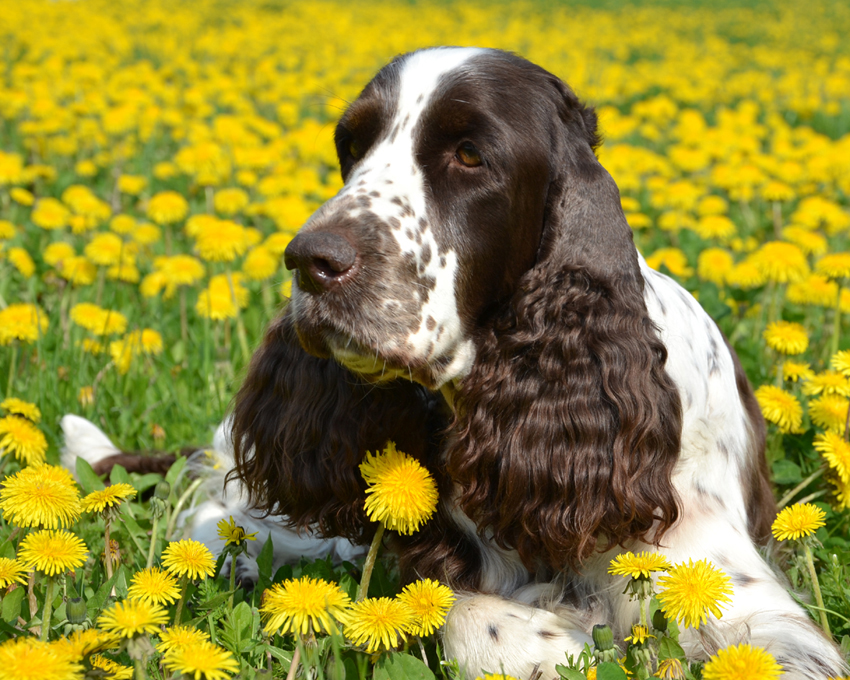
[322, 259]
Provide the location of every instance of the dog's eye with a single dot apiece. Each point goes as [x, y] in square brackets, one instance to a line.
[468, 155]
[355, 149]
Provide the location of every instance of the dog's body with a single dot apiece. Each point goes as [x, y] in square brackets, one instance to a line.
[474, 295]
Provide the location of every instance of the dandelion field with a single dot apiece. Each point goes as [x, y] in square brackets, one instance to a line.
[157, 157]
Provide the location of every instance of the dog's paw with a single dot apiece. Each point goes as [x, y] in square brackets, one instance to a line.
[247, 572]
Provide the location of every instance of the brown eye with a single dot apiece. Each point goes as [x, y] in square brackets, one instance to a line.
[468, 155]
[355, 149]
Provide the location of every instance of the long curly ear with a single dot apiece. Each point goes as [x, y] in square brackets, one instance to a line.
[301, 426]
[568, 425]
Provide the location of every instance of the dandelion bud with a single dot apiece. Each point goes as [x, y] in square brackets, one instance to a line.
[162, 491]
[659, 621]
[603, 638]
[76, 610]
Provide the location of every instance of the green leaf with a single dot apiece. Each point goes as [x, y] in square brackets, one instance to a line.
[569, 673]
[175, 470]
[12, 604]
[239, 629]
[265, 560]
[397, 666]
[89, 481]
[119, 475]
[145, 482]
[786, 472]
[669, 649]
[610, 671]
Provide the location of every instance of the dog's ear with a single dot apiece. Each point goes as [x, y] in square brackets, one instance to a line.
[568, 425]
[301, 426]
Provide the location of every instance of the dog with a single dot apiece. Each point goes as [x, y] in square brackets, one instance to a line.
[473, 294]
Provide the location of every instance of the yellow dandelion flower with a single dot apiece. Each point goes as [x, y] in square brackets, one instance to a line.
[179, 270]
[52, 552]
[175, 637]
[21, 196]
[302, 605]
[781, 262]
[155, 586]
[811, 242]
[827, 382]
[19, 407]
[714, 264]
[84, 642]
[25, 658]
[797, 521]
[673, 259]
[77, 270]
[716, 227]
[146, 234]
[429, 601]
[794, 371]
[277, 242]
[123, 224]
[815, 289]
[230, 201]
[189, 558]
[131, 618]
[840, 361]
[746, 275]
[167, 207]
[40, 495]
[217, 300]
[741, 662]
[640, 634]
[232, 534]
[638, 566]
[690, 591]
[165, 170]
[22, 321]
[836, 452]
[834, 265]
[22, 438]
[670, 669]
[22, 261]
[401, 493]
[11, 571]
[113, 670]
[98, 320]
[86, 396]
[378, 623]
[111, 496]
[829, 412]
[780, 408]
[132, 184]
[50, 214]
[786, 337]
[7, 230]
[259, 264]
[201, 661]
[842, 494]
[502, 676]
[105, 249]
[286, 289]
[221, 241]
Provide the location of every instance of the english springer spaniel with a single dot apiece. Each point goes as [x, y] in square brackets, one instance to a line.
[473, 294]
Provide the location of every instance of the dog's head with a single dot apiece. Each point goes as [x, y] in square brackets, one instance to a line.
[448, 156]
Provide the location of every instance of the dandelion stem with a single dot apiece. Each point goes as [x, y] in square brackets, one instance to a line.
[152, 549]
[369, 565]
[797, 489]
[232, 579]
[836, 324]
[107, 557]
[644, 620]
[179, 506]
[293, 665]
[810, 563]
[140, 670]
[48, 609]
[12, 368]
[184, 324]
[184, 588]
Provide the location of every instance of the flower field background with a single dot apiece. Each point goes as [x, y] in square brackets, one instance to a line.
[157, 157]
